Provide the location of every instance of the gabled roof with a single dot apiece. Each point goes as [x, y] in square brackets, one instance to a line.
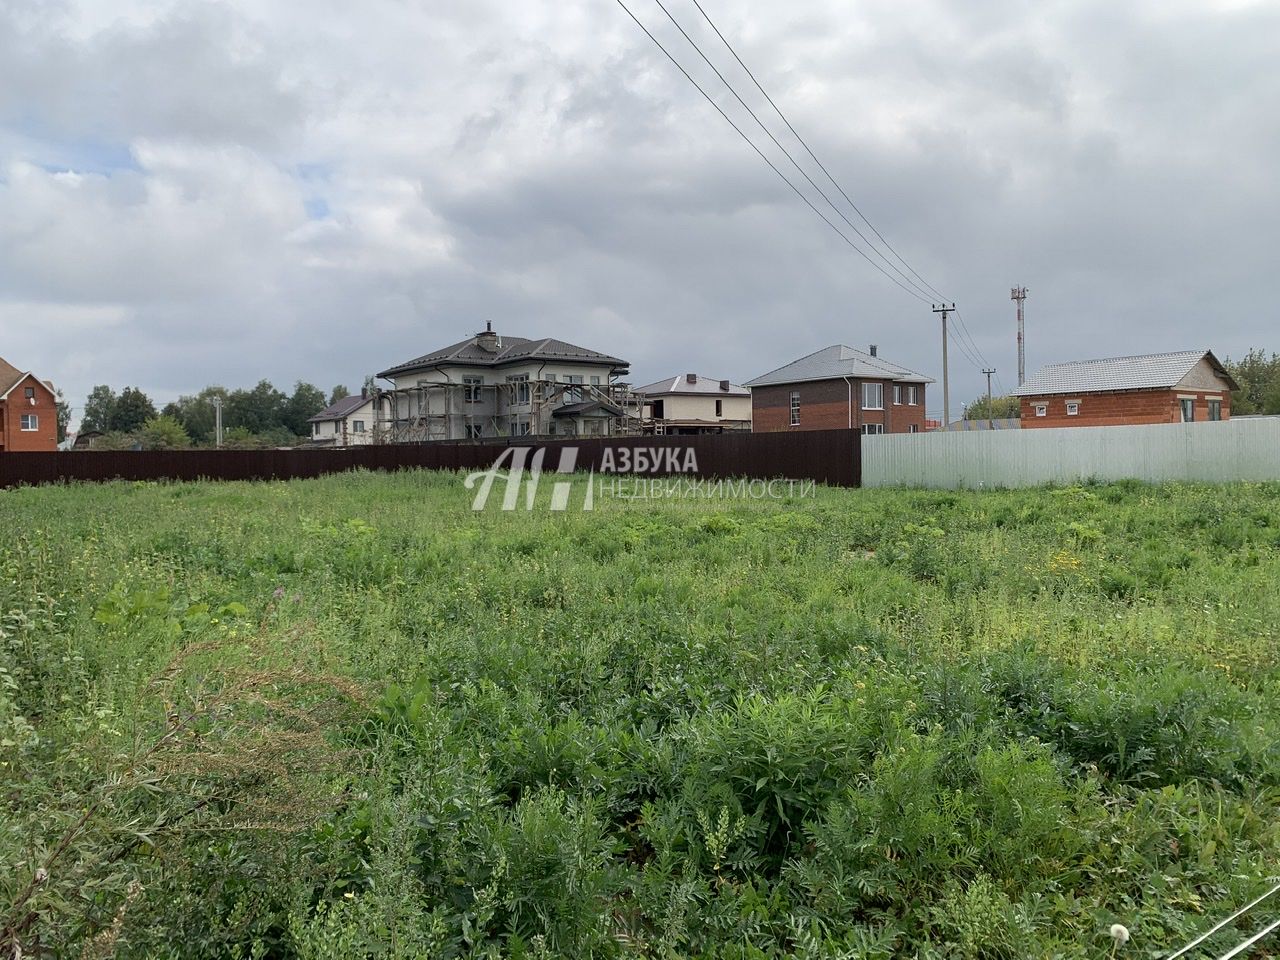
[506, 350]
[585, 407]
[340, 410]
[834, 362]
[10, 376]
[1151, 371]
[702, 385]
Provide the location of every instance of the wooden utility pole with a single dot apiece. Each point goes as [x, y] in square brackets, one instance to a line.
[991, 425]
[1020, 294]
[944, 309]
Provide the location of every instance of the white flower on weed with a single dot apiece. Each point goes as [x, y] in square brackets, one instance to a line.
[1119, 933]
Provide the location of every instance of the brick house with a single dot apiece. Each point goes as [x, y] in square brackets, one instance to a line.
[839, 388]
[28, 412]
[1156, 388]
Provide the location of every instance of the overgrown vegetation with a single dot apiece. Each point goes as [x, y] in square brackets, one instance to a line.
[351, 718]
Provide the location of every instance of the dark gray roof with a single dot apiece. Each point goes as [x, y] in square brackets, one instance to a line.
[508, 350]
[340, 410]
[1151, 371]
[702, 386]
[834, 362]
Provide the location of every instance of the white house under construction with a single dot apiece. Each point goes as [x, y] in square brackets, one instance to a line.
[497, 386]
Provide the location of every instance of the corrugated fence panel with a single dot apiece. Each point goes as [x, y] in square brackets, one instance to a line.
[826, 456]
[1233, 450]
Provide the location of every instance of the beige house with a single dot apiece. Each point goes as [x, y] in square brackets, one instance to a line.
[691, 403]
[491, 385]
[347, 423]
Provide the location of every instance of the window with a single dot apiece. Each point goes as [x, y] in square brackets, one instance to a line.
[520, 395]
[659, 409]
[29, 393]
[719, 407]
[30, 421]
[574, 394]
[897, 394]
[593, 427]
[315, 429]
[872, 429]
[357, 426]
[1215, 409]
[912, 394]
[474, 431]
[1073, 408]
[595, 381]
[873, 396]
[1188, 409]
[522, 428]
[795, 409]
[471, 389]
[1042, 409]
[914, 428]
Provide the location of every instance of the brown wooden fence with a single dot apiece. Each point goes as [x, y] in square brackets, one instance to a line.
[832, 457]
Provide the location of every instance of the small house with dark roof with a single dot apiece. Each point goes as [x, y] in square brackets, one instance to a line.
[493, 385]
[839, 388]
[691, 403]
[1153, 388]
[346, 423]
[28, 412]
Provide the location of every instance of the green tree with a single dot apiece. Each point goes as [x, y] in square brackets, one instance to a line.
[306, 402]
[64, 415]
[197, 413]
[257, 410]
[338, 393]
[163, 433]
[1259, 379]
[132, 409]
[1001, 407]
[98, 409]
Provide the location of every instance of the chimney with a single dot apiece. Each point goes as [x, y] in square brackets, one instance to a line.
[724, 385]
[487, 339]
[691, 378]
[874, 350]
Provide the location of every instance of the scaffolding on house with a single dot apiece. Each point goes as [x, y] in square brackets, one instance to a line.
[459, 411]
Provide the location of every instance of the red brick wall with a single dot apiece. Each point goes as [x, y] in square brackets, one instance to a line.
[1120, 408]
[824, 405]
[13, 439]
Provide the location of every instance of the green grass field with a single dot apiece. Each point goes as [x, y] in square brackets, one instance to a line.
[350, 717]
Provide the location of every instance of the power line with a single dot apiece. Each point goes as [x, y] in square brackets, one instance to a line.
[809, 203]
[924, 293]
[814, 156]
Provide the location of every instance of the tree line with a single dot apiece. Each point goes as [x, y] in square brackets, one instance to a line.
[1257, 374]
[261, 416]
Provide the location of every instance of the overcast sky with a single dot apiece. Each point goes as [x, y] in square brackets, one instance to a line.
[196, 193]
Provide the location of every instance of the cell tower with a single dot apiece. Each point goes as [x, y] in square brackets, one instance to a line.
[1020, 294]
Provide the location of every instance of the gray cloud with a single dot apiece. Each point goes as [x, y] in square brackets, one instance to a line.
[224, 192]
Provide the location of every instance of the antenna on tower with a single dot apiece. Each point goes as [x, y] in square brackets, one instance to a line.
[1020, 294]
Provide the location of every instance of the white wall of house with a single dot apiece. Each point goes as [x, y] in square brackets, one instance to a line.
[356, 429]
[703, 407]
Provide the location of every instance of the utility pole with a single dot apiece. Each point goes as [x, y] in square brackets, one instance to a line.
[990, 415]
[1020, 294]
[943, 309]
[217, 421]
